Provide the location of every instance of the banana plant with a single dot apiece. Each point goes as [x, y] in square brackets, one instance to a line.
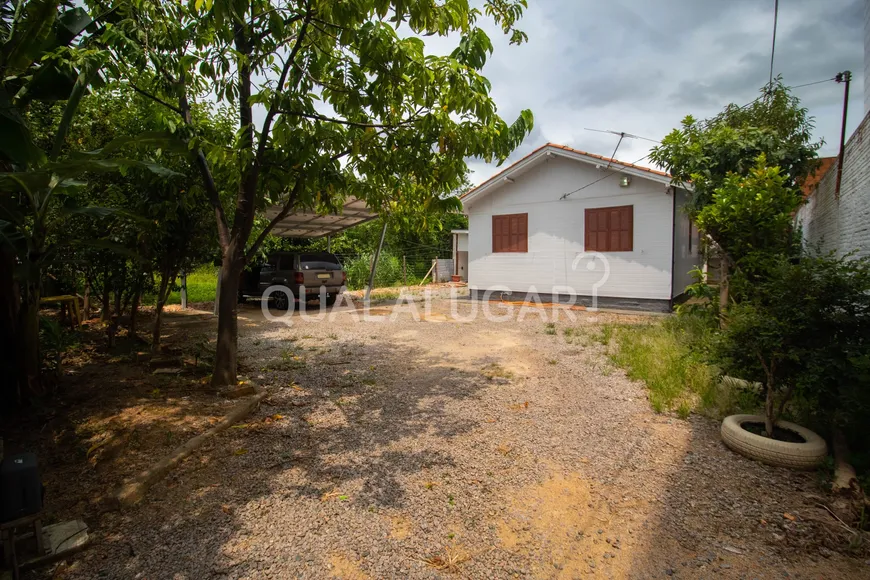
[46, 55]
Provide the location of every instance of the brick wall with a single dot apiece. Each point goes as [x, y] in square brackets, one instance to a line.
[842, 225]
[866, 56]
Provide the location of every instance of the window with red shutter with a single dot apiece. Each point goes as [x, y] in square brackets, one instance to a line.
[510, 233]
[609, 229]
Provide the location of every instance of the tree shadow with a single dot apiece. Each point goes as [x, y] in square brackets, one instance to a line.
[717, 513]
[346, 438]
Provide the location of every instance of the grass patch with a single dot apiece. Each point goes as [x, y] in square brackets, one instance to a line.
[201, 286]
[495, 370]
[669, 356]
[290, 361]
[550, 328]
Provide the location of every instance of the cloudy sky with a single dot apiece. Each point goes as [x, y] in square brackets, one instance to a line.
[640, 66]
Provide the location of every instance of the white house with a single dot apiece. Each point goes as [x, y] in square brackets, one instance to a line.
[563, 222]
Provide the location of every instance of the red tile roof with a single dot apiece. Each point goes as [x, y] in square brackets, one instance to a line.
[808, 187]
[565, 148]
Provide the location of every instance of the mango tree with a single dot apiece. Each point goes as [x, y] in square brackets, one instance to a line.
[332, 99]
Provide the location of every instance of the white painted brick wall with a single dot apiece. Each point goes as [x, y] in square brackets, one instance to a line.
[842, 225]
[866, 56]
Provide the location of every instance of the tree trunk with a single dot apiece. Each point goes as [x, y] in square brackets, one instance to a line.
[119, 290]
[769, 410]
[723, 291]
[134, 309]
[86, 301]
[106, 313]
[225, 365]
[29, 327]
[10, 306]
[162, 295]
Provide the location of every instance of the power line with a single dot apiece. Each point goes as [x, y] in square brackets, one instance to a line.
[602, 178]
[812, 83]
[773, 43]
[767, 92]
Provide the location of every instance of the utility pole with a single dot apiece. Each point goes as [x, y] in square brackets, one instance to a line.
[843, 77]
[374, 269]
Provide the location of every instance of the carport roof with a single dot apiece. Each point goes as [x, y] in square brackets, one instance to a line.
[309, 224]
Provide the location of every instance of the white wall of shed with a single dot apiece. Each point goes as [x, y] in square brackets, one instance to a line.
[556, 235]
[461, 242]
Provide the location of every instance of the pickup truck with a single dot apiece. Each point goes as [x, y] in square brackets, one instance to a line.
[312, 271]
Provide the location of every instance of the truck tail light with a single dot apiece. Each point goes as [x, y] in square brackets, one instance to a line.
[299, 278]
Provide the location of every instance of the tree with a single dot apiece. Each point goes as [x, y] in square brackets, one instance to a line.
[350, 107]
[702, 154]
[44, 57]
[165, 226]
[713, 157]
[804, 331]
[751, 218]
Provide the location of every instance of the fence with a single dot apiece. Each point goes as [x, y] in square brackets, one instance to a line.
[395, 269]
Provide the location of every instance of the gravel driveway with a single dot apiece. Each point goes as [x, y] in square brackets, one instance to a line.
[436, 449]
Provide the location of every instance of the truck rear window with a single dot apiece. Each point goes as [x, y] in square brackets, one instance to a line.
[323, 261]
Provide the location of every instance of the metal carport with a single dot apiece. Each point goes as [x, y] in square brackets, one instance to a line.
[312, 225]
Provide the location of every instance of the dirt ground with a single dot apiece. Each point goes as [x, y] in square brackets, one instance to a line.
[419, 447]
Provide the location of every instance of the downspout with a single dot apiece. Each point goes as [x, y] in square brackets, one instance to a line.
[673, 243]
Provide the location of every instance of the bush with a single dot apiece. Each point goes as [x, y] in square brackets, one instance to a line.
[804, 331]
[389, 272]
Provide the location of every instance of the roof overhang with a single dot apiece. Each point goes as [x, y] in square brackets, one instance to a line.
[310, 224]
[551, 151]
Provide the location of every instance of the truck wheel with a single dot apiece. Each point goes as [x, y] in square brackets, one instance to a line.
[282, 300]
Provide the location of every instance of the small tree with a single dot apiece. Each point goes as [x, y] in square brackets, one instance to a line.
[803, 330]
[751, 218]
[351, 108]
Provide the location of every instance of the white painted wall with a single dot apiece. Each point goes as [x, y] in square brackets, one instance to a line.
[685, 259]
[842, 225]
[461, 242]
[556, 235]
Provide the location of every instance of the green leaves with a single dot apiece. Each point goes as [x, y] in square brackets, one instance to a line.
[31, 32]
[751, 214]
[706, 152]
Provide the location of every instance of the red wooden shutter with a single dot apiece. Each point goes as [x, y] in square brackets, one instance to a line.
[609, 229]
[510, 233]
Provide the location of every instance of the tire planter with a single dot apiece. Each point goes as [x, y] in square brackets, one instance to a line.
[807, 455]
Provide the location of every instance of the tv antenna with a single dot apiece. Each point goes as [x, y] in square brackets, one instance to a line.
[622, 135]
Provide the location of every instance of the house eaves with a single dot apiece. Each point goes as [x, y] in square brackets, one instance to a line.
[552, 150]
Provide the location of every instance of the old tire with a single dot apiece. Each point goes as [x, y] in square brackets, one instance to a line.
[807, 455]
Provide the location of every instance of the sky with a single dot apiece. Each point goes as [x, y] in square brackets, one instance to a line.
[640, 66]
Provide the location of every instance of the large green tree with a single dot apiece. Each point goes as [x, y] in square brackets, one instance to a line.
[744, 168]
[703, 153]
[333, 99]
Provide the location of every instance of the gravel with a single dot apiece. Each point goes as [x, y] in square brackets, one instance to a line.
[390, 450]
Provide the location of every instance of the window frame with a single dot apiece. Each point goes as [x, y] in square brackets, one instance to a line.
[608, 245]
[520, 245]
